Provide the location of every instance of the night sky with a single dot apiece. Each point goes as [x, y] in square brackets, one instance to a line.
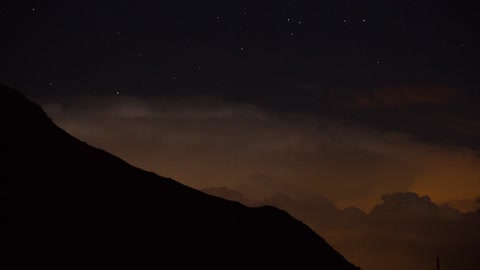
[349, 100]
[311, 56]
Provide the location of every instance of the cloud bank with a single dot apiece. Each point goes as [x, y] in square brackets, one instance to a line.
[404, 231]
[207, 142]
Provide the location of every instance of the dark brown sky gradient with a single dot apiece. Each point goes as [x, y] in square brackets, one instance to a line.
[210, 142]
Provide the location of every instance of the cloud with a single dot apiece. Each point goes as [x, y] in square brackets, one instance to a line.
[315, 168]
[405, 228]
[463, 126]
[406, 204]
[208, 142]
[465, 204]
[406, 96]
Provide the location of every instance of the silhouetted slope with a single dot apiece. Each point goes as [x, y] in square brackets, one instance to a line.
[75, 205]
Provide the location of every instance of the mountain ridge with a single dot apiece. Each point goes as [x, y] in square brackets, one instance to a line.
[73, 203]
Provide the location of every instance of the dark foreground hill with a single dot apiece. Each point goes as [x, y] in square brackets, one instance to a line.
[70, 204]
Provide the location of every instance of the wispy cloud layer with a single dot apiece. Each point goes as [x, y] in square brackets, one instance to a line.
[406, 96]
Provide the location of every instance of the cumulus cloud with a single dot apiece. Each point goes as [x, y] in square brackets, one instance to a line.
[208, 142]
[406, 204]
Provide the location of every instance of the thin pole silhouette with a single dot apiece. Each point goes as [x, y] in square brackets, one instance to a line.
[438, 263]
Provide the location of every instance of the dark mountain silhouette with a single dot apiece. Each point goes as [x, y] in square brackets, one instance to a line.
[75, 205]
